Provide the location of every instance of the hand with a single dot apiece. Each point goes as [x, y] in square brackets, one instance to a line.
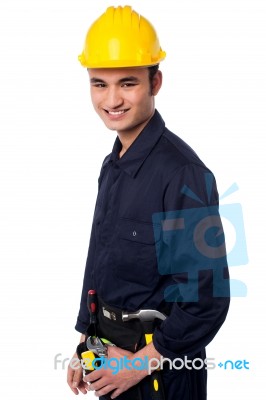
[75, 376]
[104, 380]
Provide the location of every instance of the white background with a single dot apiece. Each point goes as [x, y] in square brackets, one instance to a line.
[52, 146]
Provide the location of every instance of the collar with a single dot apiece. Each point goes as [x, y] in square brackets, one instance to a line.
[137, 153]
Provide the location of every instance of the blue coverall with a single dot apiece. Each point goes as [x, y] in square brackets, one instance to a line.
[122, 264]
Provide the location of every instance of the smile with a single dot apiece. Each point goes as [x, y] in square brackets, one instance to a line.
[120, 112]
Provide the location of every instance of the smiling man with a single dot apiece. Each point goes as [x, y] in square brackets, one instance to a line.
[147, 173]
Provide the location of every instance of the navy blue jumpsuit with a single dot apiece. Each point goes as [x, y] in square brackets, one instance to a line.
[159, 173]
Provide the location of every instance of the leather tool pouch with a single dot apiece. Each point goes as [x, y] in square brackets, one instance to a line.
[127, 335]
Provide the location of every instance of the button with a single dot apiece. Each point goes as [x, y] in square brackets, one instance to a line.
[134, 233]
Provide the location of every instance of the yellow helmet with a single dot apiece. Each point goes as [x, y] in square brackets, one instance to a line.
[121, 38]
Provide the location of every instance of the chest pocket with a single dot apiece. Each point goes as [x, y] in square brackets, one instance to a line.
[136, 231]
[136, 254]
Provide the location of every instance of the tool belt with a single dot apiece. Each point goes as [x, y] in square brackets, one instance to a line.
[126, 335]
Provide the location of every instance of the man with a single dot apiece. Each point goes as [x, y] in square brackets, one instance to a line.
[150, 174]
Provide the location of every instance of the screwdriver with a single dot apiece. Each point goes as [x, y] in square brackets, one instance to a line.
[92, 306]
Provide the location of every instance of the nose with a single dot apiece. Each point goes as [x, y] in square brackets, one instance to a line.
[114, 98]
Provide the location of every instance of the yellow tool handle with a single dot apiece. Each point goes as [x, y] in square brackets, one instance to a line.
[157, 392]
[87, 358]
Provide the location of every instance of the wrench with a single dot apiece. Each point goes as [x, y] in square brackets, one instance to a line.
[97, 345]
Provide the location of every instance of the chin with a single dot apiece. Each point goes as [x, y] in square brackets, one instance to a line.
[115, 126]
[111, 127]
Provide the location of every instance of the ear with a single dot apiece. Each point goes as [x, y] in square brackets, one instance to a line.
[157, 82]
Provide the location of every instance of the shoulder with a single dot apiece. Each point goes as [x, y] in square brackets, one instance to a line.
[106, 160]
[174, 156]
[177, 149]
[187, 176]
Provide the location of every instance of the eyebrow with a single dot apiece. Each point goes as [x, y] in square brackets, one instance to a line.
[123, 80]
[129, 78]
[96, 80]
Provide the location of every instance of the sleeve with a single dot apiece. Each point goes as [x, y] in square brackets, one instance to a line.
[83, 316]
[191, 251]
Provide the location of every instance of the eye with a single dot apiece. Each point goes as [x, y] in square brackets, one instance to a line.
[99, 85]
[128, 84]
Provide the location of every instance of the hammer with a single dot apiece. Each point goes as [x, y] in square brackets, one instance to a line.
[147, 318]
[143, 315]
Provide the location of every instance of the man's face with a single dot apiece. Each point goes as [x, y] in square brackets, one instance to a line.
[122, 97]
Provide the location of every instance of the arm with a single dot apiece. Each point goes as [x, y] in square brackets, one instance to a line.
[83, 316]
[199, 284]
[74, 376]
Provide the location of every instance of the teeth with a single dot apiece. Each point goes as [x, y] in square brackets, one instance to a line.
[116, 112]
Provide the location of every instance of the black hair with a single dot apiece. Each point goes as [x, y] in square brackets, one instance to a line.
[152, 71]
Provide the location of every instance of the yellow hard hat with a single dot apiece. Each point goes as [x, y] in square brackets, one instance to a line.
[121, 38]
